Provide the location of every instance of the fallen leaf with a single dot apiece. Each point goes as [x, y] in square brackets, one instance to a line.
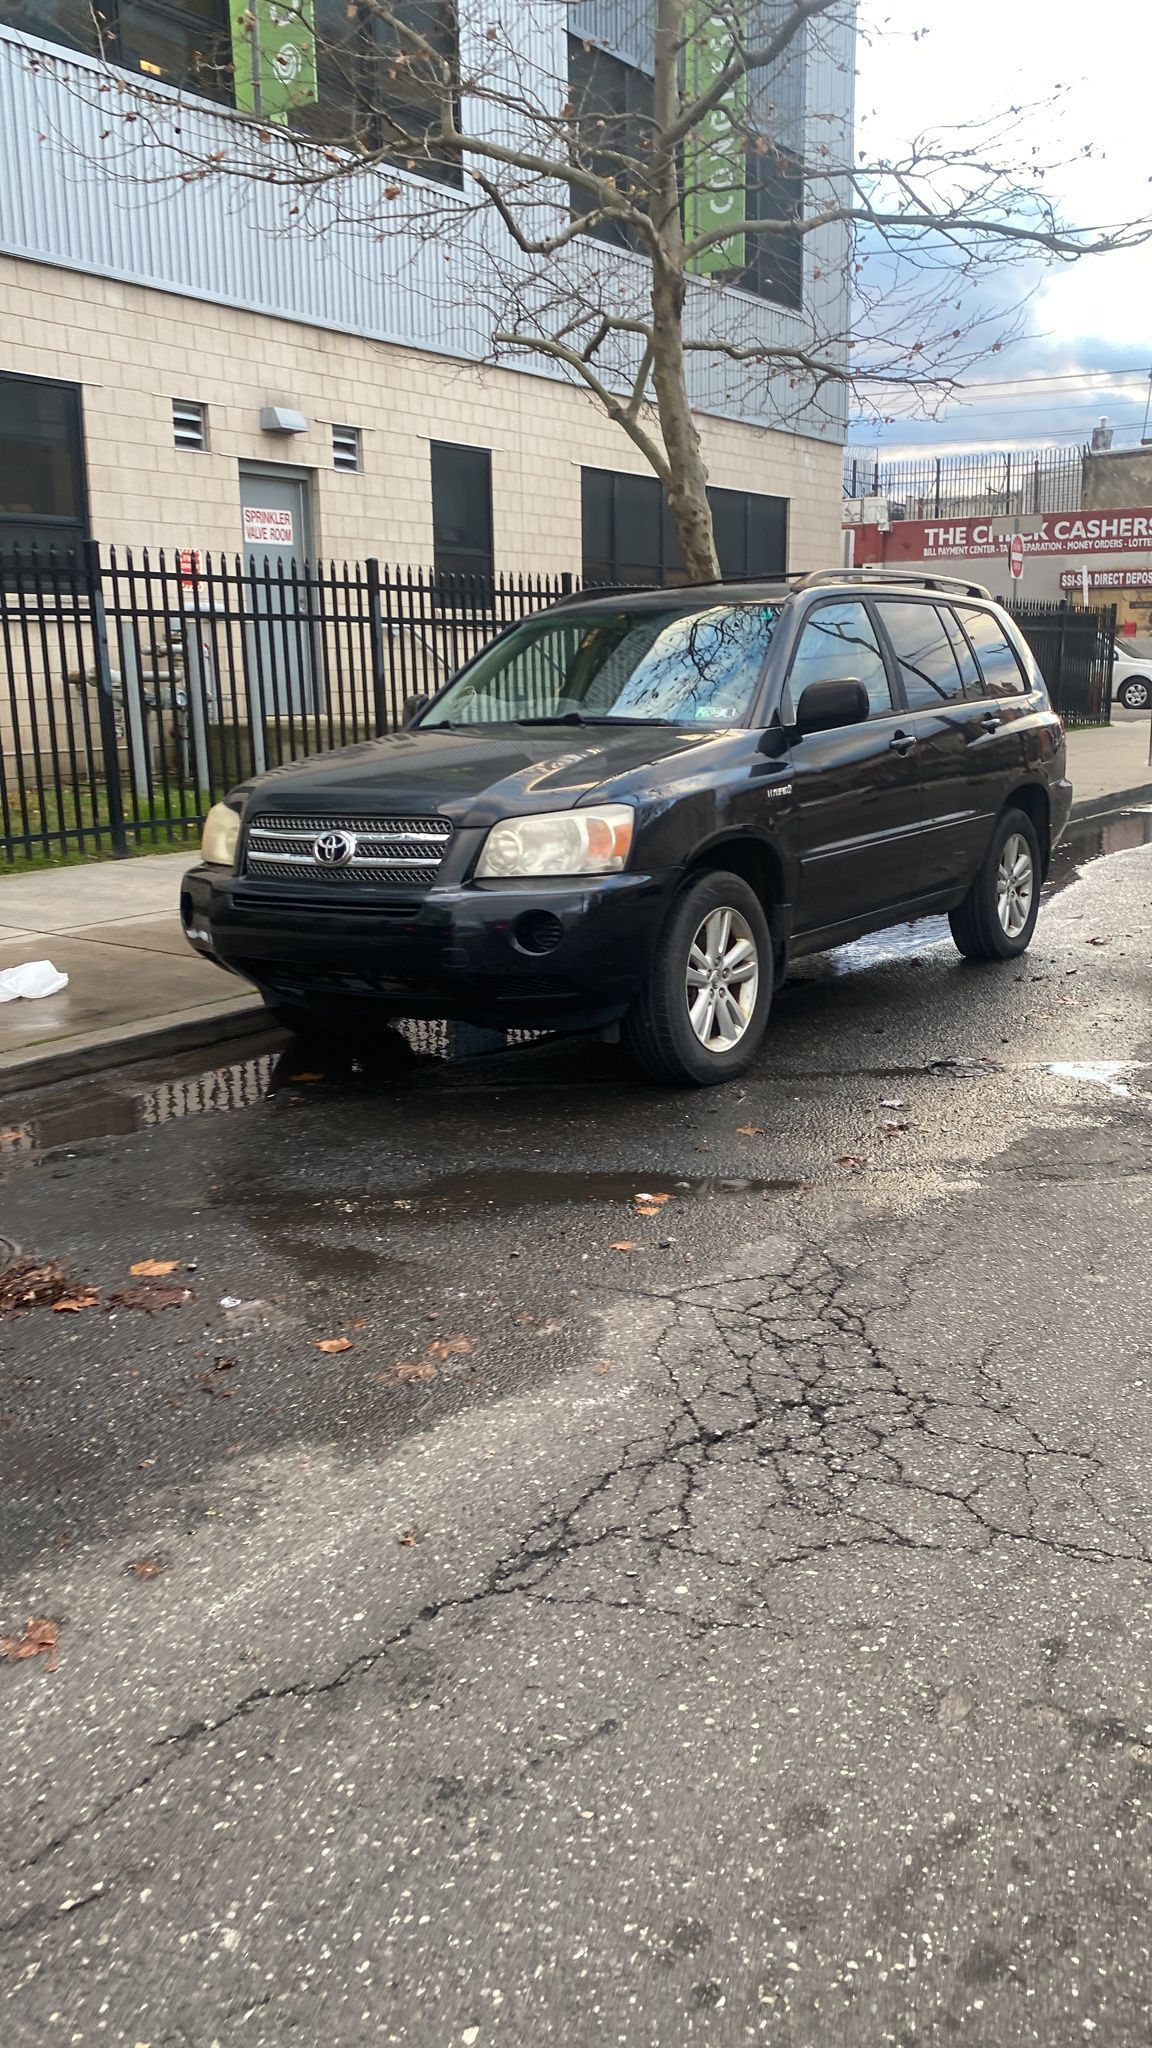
[153, 1269]
[647, 1209]
[415, 1369]
[602, 1369]
[39, 1639]
[306, 1077]
[27, 1284]
[408, 1538]
[523, 1319]
[751, 1131]
[853, 1161]
[148, 1296]
[71, 1304]
[334, 1344]
[146, 1567]
[657, 1201]
[624, 1244]
[450, 1347]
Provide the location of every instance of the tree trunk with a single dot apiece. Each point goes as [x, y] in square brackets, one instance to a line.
[687, 482]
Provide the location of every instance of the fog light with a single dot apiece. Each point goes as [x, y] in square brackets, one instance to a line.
[537, 931]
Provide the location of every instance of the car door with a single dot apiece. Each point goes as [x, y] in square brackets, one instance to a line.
[856, 790]
[963, 715]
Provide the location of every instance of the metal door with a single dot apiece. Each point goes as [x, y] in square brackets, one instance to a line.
[276, 546]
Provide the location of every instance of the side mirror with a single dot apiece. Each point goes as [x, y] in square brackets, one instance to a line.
[412, 707]
[824, 706]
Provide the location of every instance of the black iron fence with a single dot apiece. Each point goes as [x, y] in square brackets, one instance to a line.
[135, 690]
[1074, 649]
[987, 481]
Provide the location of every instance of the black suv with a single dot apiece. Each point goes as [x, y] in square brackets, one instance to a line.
[632, 809]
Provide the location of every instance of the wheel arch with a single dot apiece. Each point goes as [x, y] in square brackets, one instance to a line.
[759, 863]
[1033, 799]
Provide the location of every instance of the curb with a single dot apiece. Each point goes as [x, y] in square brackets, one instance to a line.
[125, 1045]
[1115, 800]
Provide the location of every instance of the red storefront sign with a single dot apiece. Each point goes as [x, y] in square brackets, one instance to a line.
[1057, 533]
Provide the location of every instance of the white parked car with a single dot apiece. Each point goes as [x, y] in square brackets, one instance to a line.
[1132, 674]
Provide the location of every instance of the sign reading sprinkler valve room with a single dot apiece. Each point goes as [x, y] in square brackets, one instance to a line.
[263, 528]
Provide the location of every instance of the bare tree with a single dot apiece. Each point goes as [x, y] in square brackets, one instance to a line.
[668, 243]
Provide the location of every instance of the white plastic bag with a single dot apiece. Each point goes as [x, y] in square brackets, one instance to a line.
[34, 978]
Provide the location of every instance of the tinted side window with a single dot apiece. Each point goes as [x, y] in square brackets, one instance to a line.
[927, 663]
[1003, 675]
[838, 644]
[969, 666]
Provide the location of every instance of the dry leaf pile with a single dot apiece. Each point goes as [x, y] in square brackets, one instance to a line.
[40, 1639]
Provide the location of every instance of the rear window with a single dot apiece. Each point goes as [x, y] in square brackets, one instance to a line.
[999, 661]
[928, 666]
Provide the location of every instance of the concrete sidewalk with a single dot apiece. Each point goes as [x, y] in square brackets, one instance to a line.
[135, 988]
[134, 985]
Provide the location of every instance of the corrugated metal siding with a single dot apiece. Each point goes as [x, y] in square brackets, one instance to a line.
[83, 187]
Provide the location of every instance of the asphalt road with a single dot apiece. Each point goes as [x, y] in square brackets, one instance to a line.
[743, 1636]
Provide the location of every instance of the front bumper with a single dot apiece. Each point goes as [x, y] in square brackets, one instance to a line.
[531, 955]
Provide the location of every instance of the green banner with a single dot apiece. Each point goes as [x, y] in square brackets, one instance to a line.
[274, 52]
[714, 174]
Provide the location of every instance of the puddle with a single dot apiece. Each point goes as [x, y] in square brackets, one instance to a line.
[522, 1187]
[1089, 839]
[1105, 1073]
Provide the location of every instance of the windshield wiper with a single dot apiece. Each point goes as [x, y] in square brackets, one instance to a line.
[583, 718]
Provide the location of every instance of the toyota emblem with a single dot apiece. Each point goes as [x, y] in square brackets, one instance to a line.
[334, 849]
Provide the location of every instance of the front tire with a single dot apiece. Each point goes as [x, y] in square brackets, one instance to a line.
[703, 1011]
[998, 915]
[1135, 694]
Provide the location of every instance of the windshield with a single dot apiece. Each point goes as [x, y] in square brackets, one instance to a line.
[666, 667]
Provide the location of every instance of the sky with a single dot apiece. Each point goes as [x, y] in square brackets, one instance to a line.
[1090, 324]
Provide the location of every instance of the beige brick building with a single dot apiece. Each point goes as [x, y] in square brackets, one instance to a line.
[177, 347]
[133, 352]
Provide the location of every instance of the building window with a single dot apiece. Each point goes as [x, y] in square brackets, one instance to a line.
[375, 91]
[43, 502]
[189, 423]
[628, 535]
[773, 265]
[346, 449]
[610, 106]
[462, 510]
[187, 45]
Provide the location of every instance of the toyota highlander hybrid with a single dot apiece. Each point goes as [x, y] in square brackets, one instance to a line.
[630, 811]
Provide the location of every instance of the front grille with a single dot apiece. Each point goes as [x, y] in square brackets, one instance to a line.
[406, 850]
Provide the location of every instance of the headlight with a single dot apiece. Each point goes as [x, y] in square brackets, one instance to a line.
[561, 843]
[221, 831]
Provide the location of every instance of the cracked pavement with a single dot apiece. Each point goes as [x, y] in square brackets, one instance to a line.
[746, 1639]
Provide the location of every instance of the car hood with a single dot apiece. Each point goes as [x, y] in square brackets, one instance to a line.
[473, 777]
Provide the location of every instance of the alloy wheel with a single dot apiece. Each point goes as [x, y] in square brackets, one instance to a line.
[722, 978]
[1015, 884]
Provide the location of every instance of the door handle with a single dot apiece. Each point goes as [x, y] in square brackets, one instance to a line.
[902, 742]
[991, 721]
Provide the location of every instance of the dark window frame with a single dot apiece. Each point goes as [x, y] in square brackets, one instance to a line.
[624, 124]
[214, 78]
[455, 559]
[666, 570]
[994, 696]
[895, 709]
[74, 529]
[882, 606]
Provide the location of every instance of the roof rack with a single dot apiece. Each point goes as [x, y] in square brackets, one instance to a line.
[877, 571]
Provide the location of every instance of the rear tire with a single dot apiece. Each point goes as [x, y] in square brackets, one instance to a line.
[998, 915]
[702, 1013]
[1135, 694]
